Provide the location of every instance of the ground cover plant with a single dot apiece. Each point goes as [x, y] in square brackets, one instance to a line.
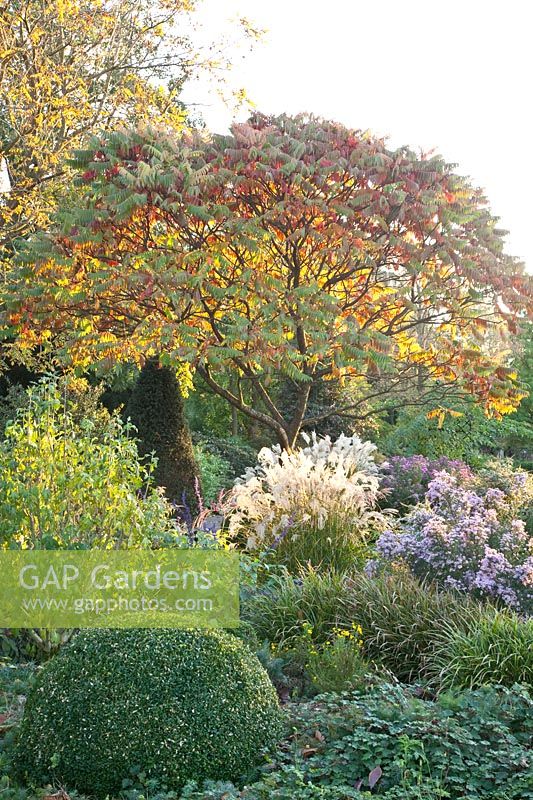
[386, 742]
[469, 746]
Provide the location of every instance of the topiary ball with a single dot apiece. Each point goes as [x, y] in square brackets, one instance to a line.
[178, 705]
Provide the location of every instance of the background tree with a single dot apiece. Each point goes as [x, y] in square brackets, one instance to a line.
[353, 417]
[295, 248]
[515, 434]
[72, 67]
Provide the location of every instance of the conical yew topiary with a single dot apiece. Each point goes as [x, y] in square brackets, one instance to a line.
[156, 409]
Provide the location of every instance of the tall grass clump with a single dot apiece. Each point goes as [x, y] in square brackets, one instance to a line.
[399, 616]
[315, 505]
[497, 649]
[287, 603]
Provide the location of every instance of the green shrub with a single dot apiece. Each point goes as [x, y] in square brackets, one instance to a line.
[214, 473]
[79, 398]
[177, 705]
[457, 437]
[498, 648]
[73, 482]
[233, 450]
[208, 412]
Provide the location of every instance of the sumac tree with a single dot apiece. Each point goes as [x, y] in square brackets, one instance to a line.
[293, 247]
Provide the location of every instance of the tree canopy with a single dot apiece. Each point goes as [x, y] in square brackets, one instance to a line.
[70, 67]
[293, 247]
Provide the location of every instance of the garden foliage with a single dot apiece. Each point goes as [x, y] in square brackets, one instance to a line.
[92, 65]
[176, 705]
[498, 648]
[516, 484]
[400, 617]
[214, 473]
[466, 541]
[75, 482]
[385, 742]
[475, 745]
[310, 276]
[463, 433]
[314, 504]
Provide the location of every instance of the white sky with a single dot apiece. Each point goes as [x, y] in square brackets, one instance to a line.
[453, 75]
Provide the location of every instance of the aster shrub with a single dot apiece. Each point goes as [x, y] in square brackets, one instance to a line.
[466, 541]
[405, 479]
[517, 485]
[315, 504]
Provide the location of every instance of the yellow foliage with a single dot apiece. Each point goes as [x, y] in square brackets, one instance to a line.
[441, 413]
[62, 77]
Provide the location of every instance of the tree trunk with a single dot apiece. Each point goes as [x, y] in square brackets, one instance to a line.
[284, 441]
